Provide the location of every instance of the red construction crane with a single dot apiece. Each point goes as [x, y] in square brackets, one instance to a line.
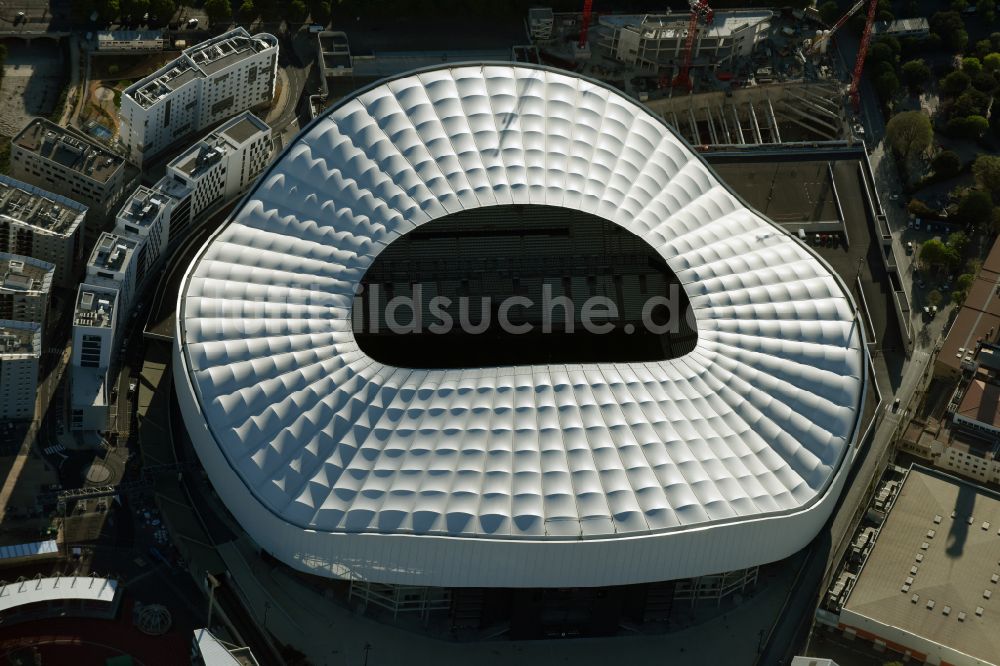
[699, 10]
[859, 64]
[585, 22]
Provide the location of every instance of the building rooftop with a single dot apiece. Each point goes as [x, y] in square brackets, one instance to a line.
[128, 36]
[971, 327]
[95, 306]
[214, 146]
[667, 26]
[20, 339]
[40, 209]
[143, 206]
[19, 273]
[981, 402]
[902, 25]
[112, 252]
[69, 149]
[199, 61]
[934, 566]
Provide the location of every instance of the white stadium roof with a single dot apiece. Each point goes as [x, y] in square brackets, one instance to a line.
[530, 476]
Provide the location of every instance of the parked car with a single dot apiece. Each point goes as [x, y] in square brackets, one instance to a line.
[909, 247]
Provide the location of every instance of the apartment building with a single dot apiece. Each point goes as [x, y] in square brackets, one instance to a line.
[25, 284]
[114, 263]
[40, 224]
[209, 82]
[223, 163]
[652, 41]
[20, 351]
[95, 325]
[69, 164]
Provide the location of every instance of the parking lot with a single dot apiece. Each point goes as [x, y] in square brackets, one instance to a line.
[34, 76]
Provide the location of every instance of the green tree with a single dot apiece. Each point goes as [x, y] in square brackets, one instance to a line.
[969, 127]
[935, 254]
[983, 48]
[162, 9]
[958, 297]
[829, 11]
[975, 209]
[986, 10]
[971, 66]
[297, 11]
[991, 62]
[218, 11]
[986, 170]
[881, 52]
[909, 133]
[964, 281]
[915, 73]
[971, 103]
[934, 297]
[955, 83]
[951, 29]
[886, 85]
[270, 10]
[984, 82]
[248, 11]
[946, 164]
[319, 10]
[958, 241]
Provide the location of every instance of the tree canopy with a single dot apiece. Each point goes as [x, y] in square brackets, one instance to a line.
[935, 254]
[951, 29]
[955, 83]
[969, 127]
[218, 11]
[986, 169]
[975, 209]
[915, 73]
[946, 164]
[909, 133]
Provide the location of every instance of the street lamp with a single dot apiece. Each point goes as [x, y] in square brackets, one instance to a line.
[368, 646]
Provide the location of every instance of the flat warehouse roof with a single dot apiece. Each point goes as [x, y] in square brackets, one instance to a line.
[960, 524]
[785, 191]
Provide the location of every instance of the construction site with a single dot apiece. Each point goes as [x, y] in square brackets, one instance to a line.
[722, 78]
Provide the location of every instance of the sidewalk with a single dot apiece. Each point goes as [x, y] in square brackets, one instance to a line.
[333, 636]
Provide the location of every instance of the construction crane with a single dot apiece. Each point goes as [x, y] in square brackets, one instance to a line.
[585, 22]
[815, 46]
[699, 10]
[859, 63]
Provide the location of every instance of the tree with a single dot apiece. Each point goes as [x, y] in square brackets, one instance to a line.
[934, 297]
[270, 10]
[975, 209]
[935, 254]
[964, 281]
[986, 169]
[909, 133]
[829, 11]
[248, 11]
[218, 11]
[970, 127]
[958, 241]
[915, 73]
[946, 164]
[991, 62]
[886, 85]
[297, 11]
[971, 66]
[319, 10]
[881, 52]
[162, 9]
[986, 10]
[955, 83]
[951, 29]
[971, 103]
[984, 82]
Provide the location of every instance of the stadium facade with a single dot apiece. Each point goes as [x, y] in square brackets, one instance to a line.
[726, 454]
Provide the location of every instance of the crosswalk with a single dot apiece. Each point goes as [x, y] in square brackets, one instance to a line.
[54, 449]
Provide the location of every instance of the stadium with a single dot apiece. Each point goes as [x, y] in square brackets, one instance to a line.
[560, 458]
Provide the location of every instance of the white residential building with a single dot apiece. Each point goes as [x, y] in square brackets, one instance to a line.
[25, 285]
[225, 162]
[95, 325]
[43, 225]
[130, 41]
[70, 164]
[652, 41]
[20, 350]
[207, 83]
[158, 214]
[114, 263]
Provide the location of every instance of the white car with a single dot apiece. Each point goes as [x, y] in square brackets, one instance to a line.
[192, 23]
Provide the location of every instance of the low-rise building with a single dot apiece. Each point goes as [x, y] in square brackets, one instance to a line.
[926, 589]
[25, 285]
[978, 321]
[95, 327]
[900, 28]
[223, 163]
[70, 164]
[654, 41]
[39, 224]
[20, 351]
[130, 41]
[208, 82]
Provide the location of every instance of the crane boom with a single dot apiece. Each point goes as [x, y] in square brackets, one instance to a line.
[699, 10]
[836, 26]
[859, 63]
[585, 22]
